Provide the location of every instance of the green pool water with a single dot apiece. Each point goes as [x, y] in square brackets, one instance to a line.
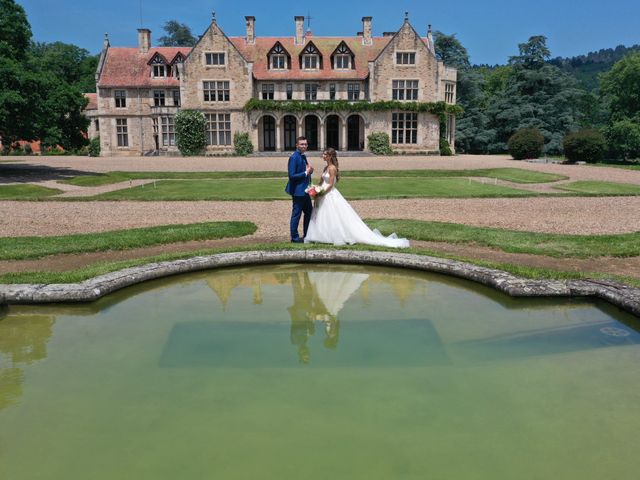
[319, 372]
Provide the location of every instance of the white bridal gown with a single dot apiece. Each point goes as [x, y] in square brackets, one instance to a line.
[334, 221]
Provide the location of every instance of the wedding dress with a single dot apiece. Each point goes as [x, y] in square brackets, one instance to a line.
[334, 221]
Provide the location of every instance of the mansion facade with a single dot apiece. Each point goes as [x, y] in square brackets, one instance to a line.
[140, 90]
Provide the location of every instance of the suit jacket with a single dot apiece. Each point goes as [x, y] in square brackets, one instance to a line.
[298, 181]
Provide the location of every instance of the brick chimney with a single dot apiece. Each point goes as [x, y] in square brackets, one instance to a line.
[251, 30]
[144, 39]
[366, 31]
[299, 30]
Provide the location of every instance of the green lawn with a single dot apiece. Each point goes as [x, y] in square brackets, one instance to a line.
[515, 175]
[273, 189]
[94, 270]
[594, 187]
[26, 192]
[17, 248]
[554, 245]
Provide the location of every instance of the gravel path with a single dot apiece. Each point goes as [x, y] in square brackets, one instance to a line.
[592, 215]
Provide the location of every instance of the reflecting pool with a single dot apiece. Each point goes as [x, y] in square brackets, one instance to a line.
[318, 372]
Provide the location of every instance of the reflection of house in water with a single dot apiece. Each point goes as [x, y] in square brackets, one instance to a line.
[337, 283]
[23, 341]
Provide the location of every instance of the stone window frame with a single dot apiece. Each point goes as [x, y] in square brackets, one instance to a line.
[289, 91]
[353, 91]
[215, 88]
[449, 92]
[177, 99]
[159, 98]
[399, 58]
[311, 92]
[268, 91]
[167, 131]
[215, 134]
[400, 88]
[214, 54]
[122, 133]
[332, 91]
[120, 98]
[400, 130]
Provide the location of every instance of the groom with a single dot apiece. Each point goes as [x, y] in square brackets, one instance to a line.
[299, 178]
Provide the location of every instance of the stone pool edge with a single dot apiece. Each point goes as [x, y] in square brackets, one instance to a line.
[623, 296]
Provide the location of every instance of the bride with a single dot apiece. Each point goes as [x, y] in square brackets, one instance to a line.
[334, 221]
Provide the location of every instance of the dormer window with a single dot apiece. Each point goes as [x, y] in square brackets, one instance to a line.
[343, 58]
[158, 66]
[278, 57]
[178, 59]
[159, 71]
[310, 62]
[310, 58]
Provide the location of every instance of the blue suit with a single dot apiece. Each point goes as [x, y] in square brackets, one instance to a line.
[298, 182]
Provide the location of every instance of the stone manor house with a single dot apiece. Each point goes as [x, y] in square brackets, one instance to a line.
[140, 90]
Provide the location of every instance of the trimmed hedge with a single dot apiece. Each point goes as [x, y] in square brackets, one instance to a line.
[584, 145]
[526, 143]
[242, 144]
[191, 136]
[379, 143]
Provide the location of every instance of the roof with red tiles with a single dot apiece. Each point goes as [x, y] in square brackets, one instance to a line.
[258, 52]
[128, 67]
[93, 101]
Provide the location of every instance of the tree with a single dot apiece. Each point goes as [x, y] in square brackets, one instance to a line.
[69, 63]
[450, 51]
[620, 88]
[177, 35]
[533, 54]
[15, 31]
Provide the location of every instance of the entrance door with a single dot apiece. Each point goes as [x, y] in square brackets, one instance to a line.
[269, 133]
[353, 132]
[311, 131]
[290, 129]
[333, 132]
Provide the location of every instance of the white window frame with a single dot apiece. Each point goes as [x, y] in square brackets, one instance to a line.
[307, 61]
[282, 58]
[342, 61]
[159, 71]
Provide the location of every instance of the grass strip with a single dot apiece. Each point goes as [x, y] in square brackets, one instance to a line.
[273, 189]
[74, 276]
[513, 241]
[516, 175]
[20, 248]
[26, 192]
[595, 187]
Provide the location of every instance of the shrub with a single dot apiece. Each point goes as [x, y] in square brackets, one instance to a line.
[445, 149]
[584, 145]
[191, 136]
[623, 138]
[242, 144]
[27, 149]
[526, 143]
[379, 143]
[94, 147]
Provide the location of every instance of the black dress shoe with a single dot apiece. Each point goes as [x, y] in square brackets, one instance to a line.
[297, 240]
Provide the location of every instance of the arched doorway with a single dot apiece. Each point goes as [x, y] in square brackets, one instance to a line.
[311, 131]
[268, 133]
[333, 131]
[353, 133]
[290, 132]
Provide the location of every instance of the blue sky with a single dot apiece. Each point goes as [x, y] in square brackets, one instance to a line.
[489, 29]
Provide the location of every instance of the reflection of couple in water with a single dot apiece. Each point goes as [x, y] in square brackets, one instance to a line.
[318, 297]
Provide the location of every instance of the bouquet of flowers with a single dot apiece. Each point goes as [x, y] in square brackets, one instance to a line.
[314, 190]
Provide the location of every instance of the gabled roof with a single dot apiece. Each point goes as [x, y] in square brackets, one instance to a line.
[93, 101]
[257, 53]
[128, 67]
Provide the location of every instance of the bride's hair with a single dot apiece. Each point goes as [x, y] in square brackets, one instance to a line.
[334, 160]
